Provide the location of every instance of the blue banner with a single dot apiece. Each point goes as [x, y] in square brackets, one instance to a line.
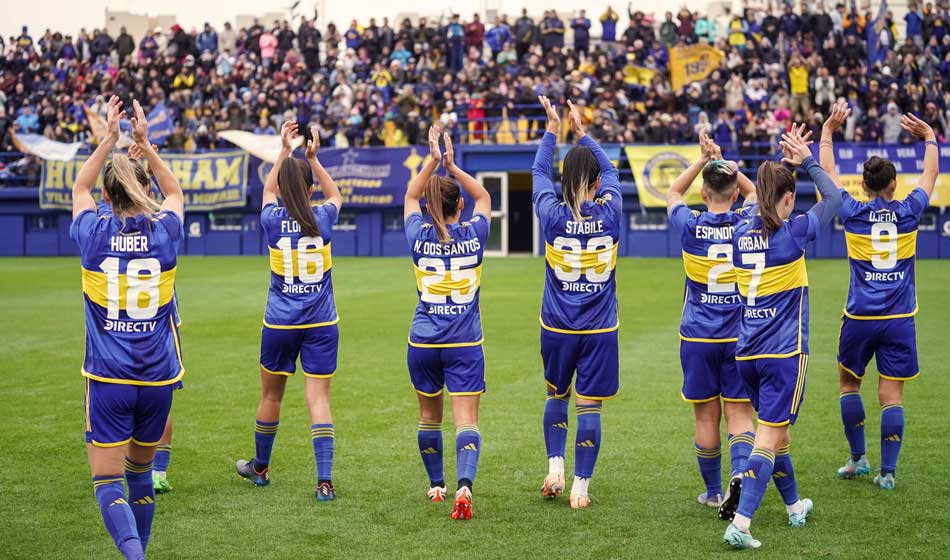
[159, 125]
[210, 181]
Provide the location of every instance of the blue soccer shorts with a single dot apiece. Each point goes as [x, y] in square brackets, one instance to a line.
[316, 346]
[776, 387]
[459, 369]
[893, 342]
[709, 371]
[594, 358]
[118, 413]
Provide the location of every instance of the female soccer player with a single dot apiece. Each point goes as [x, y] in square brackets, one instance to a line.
[710, 324]
[882, 298]
[772, 350]
[301, 317]
[579, 318]
[445, 339]
[133, 356]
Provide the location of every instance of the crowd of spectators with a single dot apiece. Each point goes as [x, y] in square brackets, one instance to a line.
[377, 82]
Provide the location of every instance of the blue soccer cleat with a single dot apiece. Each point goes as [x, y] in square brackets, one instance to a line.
[246, 470]
[738, 539]
[325, 492]
[798, 519]
[855, 469]
[885, 481]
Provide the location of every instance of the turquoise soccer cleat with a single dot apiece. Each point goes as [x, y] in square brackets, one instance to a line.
[855, 469]
[798, 519]
[885, 481]
[740, 540]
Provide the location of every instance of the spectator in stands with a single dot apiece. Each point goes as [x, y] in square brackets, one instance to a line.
[27, 121]
[608, 25]
[552, 31]
[474, 33]
[207, 40]
[525, 33]
[497, 37]
[798, 81]
[914, 24]
[669, 33]
[581, 27]
[124, 45]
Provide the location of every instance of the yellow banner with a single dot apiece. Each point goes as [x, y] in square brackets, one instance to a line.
[692, 63]
[656, 167]
[906, 182]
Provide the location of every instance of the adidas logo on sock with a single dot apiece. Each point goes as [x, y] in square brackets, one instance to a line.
[778, 474]
[144, 501]
[585, 443]
[469, 447]
[429, 451]
[562, 425]
[893, 437]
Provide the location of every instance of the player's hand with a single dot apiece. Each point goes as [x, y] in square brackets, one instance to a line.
[435, 131]
[136, 152]
[917, 127]
[113, 115]
[449, 160]
[313, 145]
[708, 148]
[139, 125]
[288, 131]
[577, 124]
[839, 115]
[554, 120]
[795, 145]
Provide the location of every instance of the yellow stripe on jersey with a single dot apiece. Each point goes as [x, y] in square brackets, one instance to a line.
[864, 248]
[774, 279]
[96, 287]
[602, 260]
[465, 281]
[698, 267]
[277, 260]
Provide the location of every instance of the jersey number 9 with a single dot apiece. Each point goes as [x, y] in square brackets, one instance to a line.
[310, 262]
[884, 240]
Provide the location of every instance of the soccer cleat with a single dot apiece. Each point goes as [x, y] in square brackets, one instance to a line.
[854, 469]
[709, 501]
[160, 483]
[579, 502]
[246, 470]
[740, 540]
[436, 494]
[553, 486]
[325, 492]
[463, 504]
[885, 481]
[798, 519]
[727, 510]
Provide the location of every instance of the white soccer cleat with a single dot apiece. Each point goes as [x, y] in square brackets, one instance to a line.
[436, 494]
[710, 501]
[553, 486]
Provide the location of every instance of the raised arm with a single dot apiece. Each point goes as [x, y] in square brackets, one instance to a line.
[826, 148]
[609, 176]
[417, 185]
[677, 191]
[288, 131]
[167, 183]
[541, 170]
[474, 189]
[89, 173]
[922, 130]
[797, 154]
[330, 191]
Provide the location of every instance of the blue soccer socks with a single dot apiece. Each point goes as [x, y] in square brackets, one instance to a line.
[587, 441]
[163, 456]
[141, 497]
[117, 515]
[754, 483]
[555, 426]
[710, 468]
[783, 474]
[740, 446]
[892, 435]
[430, 448]
[264, 434]
[852, 417]
[468, 443]
[323, 441]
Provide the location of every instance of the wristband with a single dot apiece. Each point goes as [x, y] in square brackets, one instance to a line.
[930, 143]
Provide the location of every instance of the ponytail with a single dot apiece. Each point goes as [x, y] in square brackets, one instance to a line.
[442, 201]
[294, 179]
[127, 184]
[581, 170]
[773, 181]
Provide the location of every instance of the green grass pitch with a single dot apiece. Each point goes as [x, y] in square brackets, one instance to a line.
[644, 489]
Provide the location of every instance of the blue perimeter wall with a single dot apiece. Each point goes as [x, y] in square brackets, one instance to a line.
[26, 230]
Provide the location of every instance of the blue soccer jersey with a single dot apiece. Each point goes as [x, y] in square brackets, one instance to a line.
[580, 292]
[448, 278]
[128, 282]
[711, 304]
[301, 289]
[882, 245]
[773, 284]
